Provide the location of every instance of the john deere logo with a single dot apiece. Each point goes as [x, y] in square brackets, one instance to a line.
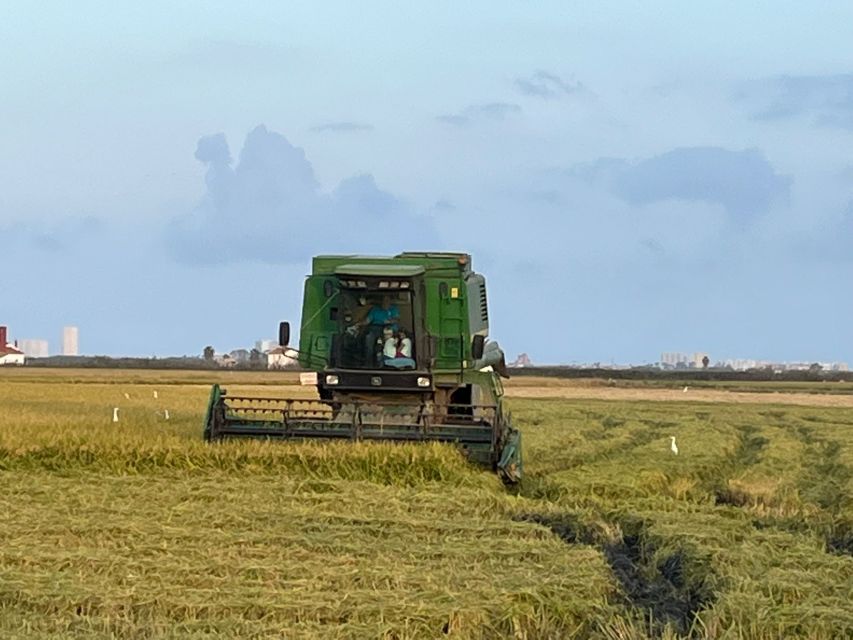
[376, 381]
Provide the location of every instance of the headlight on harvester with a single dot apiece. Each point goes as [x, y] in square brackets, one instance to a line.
[423, 381]
[332, 380]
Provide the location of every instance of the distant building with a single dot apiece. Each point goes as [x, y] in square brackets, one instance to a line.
[34, 347]
[225, 361]
[70, 341]
[676, 360]
[240, 355]
[672, 360]
[282, 358]
[699, 360]
[265, 345]
[523, 360]
[9, 354]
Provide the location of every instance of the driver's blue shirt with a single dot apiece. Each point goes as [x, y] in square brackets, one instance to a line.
[380, 317]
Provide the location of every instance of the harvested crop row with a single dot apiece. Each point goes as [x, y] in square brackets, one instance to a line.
[259, 555]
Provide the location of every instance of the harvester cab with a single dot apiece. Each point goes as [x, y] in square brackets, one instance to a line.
[399, 347]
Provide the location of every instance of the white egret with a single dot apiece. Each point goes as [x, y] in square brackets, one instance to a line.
[115, 414]
[155, 394]
[127, 396]
[166, 414]
[673, 446]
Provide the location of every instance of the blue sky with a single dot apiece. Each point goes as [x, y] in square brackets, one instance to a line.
[631, 177]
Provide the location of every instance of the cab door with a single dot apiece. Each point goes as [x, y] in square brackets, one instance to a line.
[450, 303]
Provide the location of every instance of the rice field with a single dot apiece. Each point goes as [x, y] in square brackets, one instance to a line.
[138, 529]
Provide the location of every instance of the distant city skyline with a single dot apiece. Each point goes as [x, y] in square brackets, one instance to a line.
[37, 348]
[68, 341]
[673, 359]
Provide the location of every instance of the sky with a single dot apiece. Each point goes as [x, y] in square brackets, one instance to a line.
[630, 177]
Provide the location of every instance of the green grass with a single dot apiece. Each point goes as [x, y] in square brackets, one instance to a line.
[139, 529]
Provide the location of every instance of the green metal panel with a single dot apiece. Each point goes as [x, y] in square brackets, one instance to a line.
[317, 327]
[452, 322]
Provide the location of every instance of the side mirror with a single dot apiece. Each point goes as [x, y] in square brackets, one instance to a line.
[477, 344]
[283, 333]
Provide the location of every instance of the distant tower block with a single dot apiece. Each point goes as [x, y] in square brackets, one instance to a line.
[34, 347]
[70, 341]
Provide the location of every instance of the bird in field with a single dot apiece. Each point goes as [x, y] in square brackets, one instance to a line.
[684, 390]
[155, 394]
[673, 447]
[115, 414]
[127, 396]
[166, 414]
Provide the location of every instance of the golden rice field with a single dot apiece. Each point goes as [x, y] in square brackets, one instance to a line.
[138, 529]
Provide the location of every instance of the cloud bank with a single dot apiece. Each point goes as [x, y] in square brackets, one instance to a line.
[269, 207]
[825, 100]
[55, 237]
[743, 182]
[547, 85]
[480, 112]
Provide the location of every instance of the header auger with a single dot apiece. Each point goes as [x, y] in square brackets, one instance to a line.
[399, 348]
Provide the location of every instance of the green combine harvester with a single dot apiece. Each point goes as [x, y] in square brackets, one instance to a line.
[400, 353]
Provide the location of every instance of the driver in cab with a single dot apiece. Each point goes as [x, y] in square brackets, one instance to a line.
[378, 318]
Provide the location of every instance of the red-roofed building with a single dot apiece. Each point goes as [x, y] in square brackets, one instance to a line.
[9, 354]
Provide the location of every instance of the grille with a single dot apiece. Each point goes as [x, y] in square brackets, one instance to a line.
[484, 306]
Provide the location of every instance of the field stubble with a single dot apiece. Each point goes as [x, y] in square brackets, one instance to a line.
[139, 529]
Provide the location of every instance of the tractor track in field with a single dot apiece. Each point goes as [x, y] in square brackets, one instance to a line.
[822, 483]
[668, 590]
[747, 453]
